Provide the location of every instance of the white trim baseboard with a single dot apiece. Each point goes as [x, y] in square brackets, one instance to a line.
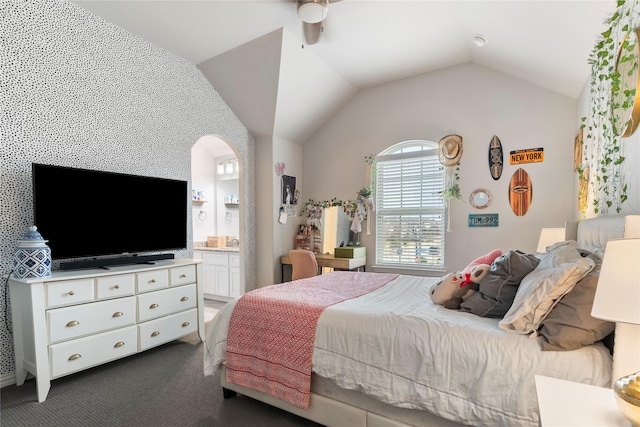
[7, 379]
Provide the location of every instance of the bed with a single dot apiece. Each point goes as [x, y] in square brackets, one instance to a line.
[391, 357]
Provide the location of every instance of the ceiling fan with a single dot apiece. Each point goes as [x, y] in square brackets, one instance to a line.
[313, 14]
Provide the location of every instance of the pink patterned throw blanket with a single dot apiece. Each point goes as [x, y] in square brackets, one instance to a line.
[272, 331]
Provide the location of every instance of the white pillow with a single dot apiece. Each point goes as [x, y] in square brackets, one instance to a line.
[557, 273]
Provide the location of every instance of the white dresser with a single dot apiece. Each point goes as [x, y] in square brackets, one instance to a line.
[77, 319]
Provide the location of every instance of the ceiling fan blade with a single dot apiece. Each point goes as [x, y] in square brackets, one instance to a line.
[312, 32]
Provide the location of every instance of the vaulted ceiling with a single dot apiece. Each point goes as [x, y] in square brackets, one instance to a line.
[364, 43]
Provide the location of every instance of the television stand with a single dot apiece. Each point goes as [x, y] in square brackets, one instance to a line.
[106, 262]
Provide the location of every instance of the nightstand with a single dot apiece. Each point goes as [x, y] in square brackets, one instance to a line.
[564, 403]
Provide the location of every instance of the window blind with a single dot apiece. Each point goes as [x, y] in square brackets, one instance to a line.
[410, 213]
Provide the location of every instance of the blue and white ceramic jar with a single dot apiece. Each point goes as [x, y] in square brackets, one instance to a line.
[32, 257]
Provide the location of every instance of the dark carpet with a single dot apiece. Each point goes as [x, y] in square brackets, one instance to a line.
[164, 386]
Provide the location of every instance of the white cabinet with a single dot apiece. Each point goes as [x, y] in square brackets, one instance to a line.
[221, 271]
[566, 403]
[221, 274]
[234, 276]
[74, 320]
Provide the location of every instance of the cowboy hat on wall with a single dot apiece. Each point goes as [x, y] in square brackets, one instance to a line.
[450, 150]
[450, 153]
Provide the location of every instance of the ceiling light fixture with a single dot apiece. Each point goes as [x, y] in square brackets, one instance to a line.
[479, 40]
[227, 166]
[312, 11]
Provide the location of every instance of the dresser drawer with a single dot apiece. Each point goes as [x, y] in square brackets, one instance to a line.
[68, 292]
[168, 301]
[75, 355]
[152, 280]
[115, 286]
[165, 329]
[183, 275]
[84, 319]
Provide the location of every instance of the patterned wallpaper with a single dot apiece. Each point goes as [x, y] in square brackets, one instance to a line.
[78, 91]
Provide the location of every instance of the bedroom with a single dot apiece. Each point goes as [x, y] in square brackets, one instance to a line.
[105, 123]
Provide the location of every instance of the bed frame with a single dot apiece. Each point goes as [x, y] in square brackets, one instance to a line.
[332, 412]
[591, 234]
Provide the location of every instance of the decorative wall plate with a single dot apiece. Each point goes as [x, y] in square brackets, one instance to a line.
[480, 198]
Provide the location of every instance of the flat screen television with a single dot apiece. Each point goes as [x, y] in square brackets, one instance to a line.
[89, 213]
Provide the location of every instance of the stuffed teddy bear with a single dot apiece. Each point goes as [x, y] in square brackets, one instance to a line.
[445, 289]
[468, 286]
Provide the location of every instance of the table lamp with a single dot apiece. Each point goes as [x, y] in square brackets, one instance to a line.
[549, 236]
[617, 299]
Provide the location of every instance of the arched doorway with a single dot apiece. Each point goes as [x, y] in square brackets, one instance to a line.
[217, 216]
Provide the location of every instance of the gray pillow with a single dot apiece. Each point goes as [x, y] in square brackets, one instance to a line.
[569, 325]
[498, 288]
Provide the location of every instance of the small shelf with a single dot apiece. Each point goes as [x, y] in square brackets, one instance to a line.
[199, 201]
[232, 204]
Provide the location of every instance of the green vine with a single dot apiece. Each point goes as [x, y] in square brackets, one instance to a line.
[452, 188]
[603, 154]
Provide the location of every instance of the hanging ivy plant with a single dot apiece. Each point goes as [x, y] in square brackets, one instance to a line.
[603, 154]
[452, 188]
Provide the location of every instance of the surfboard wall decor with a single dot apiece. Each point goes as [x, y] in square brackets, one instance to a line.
[520, 192]
[496, 158]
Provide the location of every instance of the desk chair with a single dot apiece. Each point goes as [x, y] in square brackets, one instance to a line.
[303, 264]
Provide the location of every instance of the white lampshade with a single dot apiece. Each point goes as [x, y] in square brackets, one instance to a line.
[312, 11]
[617, 296]
[220, 169]
[229, 167]
[549, 236]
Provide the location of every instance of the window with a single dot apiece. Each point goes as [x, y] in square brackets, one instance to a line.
[410, 213]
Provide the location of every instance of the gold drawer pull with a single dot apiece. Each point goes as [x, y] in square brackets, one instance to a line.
[75, 356]
[152, 281]
[182, 276]
[155, 334]
[185, 324]
[117, 314]
[152, 306]
[73, 323]
[72, 293]
[118, 344]
[117, 286]
[184, 298]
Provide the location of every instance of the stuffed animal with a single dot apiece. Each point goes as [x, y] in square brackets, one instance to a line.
[484, 259]
[445, 289]
[468, 287]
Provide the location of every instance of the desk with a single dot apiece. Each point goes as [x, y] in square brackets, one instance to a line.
[328, 260]
[570, 404]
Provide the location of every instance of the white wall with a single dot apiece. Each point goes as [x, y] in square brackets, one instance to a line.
[284, 234]
[265, 222]
[274, 239]
[476, 103]
[226, 184]
[203, 178]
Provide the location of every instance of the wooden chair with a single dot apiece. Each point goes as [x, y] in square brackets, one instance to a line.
[303, 264]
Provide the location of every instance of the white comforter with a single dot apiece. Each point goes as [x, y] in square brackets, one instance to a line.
[396, 345]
